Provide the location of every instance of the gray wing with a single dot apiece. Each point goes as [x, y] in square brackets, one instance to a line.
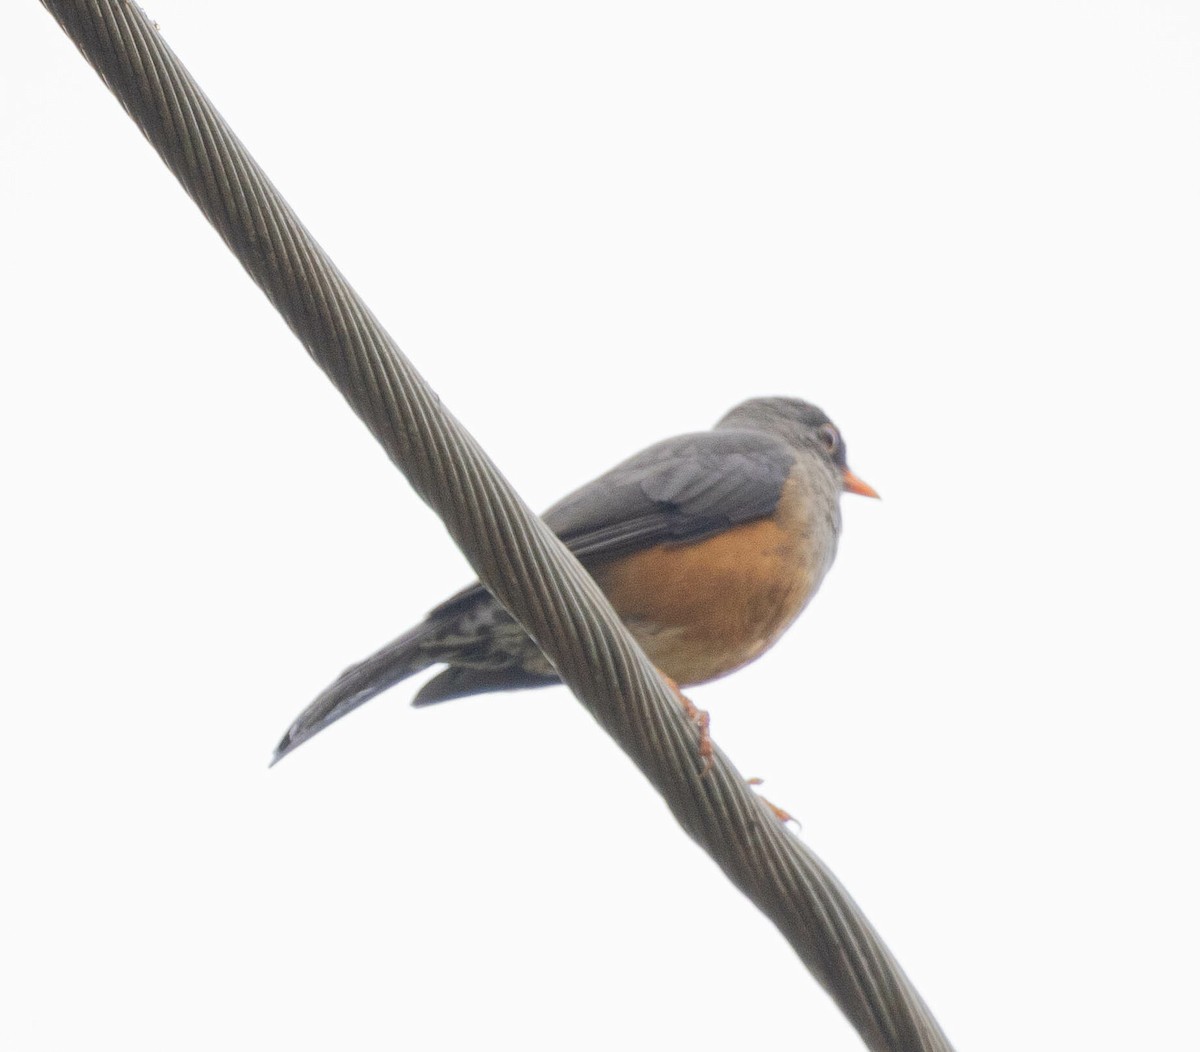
[676, 492]
[679, 491]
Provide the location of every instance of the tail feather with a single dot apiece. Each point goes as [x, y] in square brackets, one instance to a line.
[459, 681]
[398, 660]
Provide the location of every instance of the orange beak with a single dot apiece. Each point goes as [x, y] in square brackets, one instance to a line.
[851, 483]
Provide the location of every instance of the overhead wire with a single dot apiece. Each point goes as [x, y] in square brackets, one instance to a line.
[515, 555]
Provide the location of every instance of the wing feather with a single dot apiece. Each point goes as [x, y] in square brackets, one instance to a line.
[676, 492]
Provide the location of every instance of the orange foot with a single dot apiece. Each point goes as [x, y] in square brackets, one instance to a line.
[699, 717]
[779, 812]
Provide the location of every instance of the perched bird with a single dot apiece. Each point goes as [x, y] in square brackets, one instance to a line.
[708, 546]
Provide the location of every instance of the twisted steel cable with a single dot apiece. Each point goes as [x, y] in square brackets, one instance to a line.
[520, 561]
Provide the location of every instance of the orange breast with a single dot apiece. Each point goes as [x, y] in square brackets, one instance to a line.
[702, 610]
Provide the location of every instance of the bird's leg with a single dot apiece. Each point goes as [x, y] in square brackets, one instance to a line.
[699, 717]
[778, 812]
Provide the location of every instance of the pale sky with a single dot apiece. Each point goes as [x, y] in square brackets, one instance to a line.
[971, 233]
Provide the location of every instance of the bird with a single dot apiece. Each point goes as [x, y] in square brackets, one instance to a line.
[708, 545]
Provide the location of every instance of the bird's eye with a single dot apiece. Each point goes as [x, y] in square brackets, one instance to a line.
[830, 438]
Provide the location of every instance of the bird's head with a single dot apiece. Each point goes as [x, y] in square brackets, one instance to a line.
[802, 425]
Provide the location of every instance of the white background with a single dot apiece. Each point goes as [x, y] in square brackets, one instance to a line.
[970, 232]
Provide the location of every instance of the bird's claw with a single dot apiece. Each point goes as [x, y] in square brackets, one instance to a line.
[778, 812]
[701, 720]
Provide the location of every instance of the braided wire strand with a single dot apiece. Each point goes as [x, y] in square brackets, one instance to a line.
[514, 554]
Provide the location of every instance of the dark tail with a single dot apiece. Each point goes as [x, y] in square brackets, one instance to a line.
[359, 684]
[460, 681]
